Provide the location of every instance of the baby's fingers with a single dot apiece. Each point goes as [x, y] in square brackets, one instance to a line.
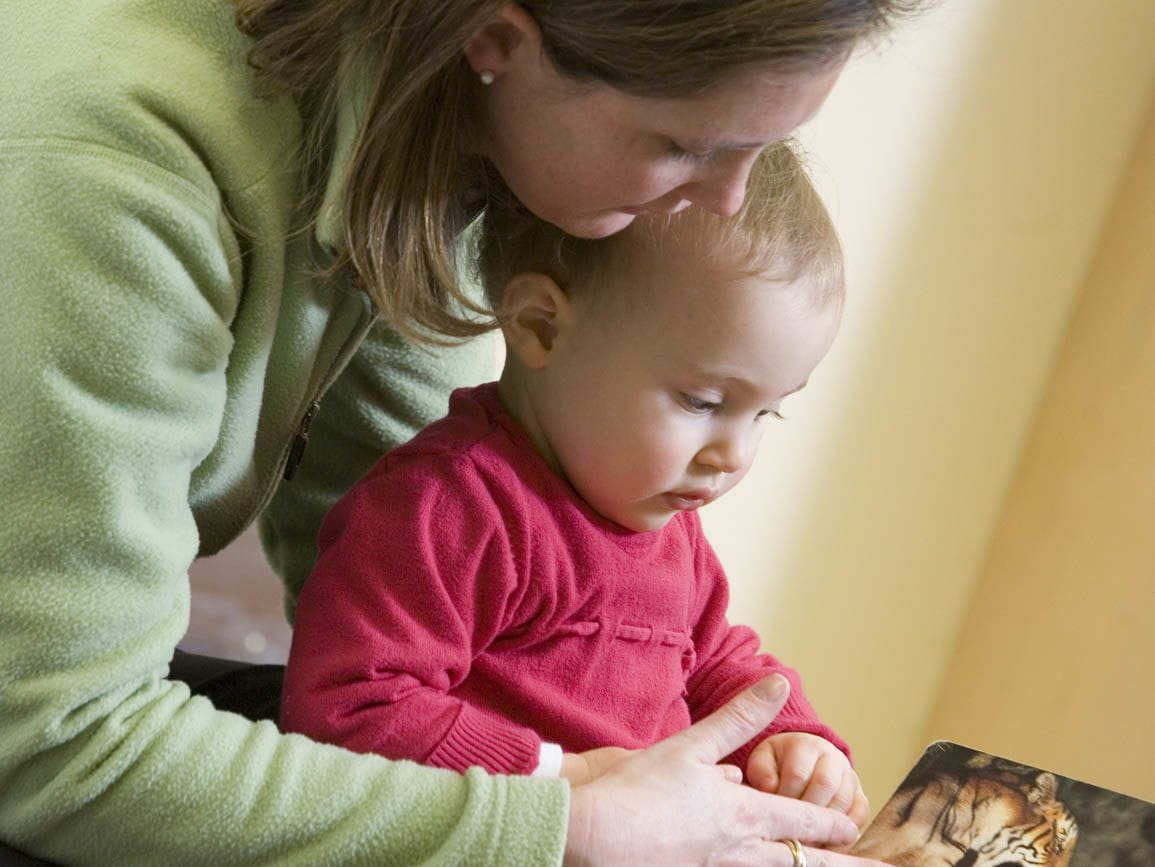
[848, 790]
[795, 768]
[762, 768]
[859, 810]
[826, 780]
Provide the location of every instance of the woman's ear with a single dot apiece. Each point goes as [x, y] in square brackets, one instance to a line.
[536, 313]
[492, 49]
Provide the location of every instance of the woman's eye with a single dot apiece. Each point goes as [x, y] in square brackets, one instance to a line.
[773, 412]
[680, 153]
[697, 404]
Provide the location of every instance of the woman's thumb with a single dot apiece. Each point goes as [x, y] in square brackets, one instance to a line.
[736, 722]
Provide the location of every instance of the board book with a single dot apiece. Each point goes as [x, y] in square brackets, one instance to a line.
[960, 807]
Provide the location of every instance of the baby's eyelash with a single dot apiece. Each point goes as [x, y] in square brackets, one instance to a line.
[696, 404]
[777, 415]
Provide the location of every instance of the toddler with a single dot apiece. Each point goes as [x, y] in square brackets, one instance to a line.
[526, 581]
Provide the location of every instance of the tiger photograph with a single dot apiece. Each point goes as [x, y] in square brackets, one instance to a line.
[960, 807]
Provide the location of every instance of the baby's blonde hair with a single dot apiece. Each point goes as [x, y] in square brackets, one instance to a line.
[782, 229]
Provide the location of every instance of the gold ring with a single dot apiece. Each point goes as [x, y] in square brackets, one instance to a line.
[796, 850]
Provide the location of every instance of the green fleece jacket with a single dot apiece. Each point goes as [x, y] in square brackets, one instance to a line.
[160, 348]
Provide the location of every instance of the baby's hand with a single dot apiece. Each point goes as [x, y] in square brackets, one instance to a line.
[580, 768]
[805, 766]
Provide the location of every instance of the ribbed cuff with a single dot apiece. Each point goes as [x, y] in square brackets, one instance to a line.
[478, 739]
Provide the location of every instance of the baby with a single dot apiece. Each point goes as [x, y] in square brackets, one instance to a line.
[526, 582]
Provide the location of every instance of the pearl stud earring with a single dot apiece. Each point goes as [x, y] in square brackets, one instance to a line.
[487, 77]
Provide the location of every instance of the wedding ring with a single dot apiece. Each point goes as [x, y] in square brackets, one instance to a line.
[796, 850]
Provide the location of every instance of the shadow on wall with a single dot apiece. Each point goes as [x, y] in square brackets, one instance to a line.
[236, 606]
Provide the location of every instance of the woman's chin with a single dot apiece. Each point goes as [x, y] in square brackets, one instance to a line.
[594, 226]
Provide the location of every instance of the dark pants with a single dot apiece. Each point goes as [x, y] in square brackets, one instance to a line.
[253, 691]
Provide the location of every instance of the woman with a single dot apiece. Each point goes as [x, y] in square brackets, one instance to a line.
[195, 254]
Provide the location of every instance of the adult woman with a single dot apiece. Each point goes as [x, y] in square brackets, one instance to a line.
[171, 337]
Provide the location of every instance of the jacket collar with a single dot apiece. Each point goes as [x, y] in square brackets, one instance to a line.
[352, 109]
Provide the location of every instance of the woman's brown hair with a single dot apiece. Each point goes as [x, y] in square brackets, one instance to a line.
[406, 181]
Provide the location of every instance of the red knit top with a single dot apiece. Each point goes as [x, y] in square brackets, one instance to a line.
[467, 604]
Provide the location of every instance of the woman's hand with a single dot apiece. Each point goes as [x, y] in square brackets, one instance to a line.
[580, 768]
[674, 804]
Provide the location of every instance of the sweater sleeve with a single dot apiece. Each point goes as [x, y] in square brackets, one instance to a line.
[727, 659]
[120, 281]
[415, 578]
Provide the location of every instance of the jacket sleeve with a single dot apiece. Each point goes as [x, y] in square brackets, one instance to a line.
[120, 285]
[727, 659]
[414, 580]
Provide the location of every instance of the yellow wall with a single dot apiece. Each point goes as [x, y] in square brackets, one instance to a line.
[1056, 660]
[969, 165]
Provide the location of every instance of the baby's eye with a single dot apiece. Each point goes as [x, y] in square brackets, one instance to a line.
[699, 405]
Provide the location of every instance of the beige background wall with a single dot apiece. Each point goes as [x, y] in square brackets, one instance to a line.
[1062, 626]
[970, 165]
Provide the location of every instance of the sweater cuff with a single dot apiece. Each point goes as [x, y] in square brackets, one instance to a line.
[478, 739]
[528, 820]
[796, 716]
[549, 759]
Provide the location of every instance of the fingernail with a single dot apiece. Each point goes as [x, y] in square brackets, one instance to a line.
[851, 831]
[772, 688]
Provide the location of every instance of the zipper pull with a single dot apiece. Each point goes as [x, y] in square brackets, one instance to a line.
[297, 449]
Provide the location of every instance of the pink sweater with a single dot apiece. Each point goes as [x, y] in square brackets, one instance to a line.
[467, 604]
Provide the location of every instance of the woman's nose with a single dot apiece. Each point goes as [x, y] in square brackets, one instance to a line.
[723, 189]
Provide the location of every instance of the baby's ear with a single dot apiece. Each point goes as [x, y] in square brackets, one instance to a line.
[535, 311]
